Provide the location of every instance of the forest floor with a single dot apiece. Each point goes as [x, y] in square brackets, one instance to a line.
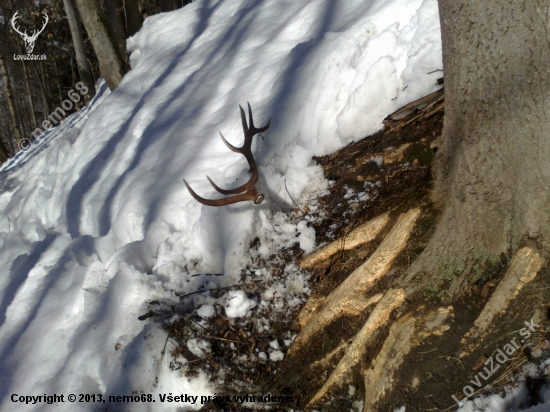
[394, 165]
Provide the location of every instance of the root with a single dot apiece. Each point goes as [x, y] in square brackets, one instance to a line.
[358, 236]
[349, 297]
[362, 341]
[405, 334]
[332, 355]
[523, 269]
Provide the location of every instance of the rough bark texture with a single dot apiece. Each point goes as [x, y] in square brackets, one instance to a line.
[28, 87]
[168, 5]
[110, 64]
[114, 14]
[133, 17]
[9, 98]
[84, 68]
[492, 172]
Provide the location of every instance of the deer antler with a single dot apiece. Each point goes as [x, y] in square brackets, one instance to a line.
[249, 188]
[13, 19]
[37, 32]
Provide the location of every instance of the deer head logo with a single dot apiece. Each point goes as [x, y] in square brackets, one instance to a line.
[29, 40]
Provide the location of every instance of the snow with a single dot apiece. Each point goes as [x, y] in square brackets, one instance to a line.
[515, 396]
[276, 356]
[206, 311]
[95, 222]
[239, 304]
[198, 347]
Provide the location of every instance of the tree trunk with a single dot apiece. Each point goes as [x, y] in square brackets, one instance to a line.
[110, 64]
[84, 69]
[9, 98]
[168, 5]
[4, 150]
[28, 87]
[42, 89]
[133, 17]
[492, 171]
[114, 14]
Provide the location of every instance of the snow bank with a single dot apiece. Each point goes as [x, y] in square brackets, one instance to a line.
[95, 220]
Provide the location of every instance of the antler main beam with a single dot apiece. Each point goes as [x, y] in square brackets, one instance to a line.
[17, 30]
[249, 188]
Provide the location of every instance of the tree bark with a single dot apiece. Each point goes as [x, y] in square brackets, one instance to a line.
[492, 171]
[110, 64]
[9, 98]
[133, 17]
[114, 14]
[84, 69]
[168, 5]
[28, 87]
[4, 150]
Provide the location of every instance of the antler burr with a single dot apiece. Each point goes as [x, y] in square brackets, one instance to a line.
[249, 188]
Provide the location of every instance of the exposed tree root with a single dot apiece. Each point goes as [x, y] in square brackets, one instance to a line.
[350, 305]
[358, 236]
[379, 316]
[349, 297]
[523, 269]
[332, 355]
[405, 334]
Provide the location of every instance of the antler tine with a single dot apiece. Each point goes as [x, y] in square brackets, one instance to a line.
[251, 122]
[251, 182]
[229, 145]
[249, 188]
[43, 26]
[35, 32]
[250, 194]
[13, 19]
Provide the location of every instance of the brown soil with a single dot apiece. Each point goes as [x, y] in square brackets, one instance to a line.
[432, 372]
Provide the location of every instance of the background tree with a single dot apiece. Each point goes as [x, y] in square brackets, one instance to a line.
[111, 63]
[114, 13]
[84, 68]
[133, 17]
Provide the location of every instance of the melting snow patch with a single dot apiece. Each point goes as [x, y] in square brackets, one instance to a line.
[238, 304]
[198, 347]
[206, 311]
[276, 355]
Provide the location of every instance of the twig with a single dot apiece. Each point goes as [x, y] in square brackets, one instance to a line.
[213, 290]
[294, 200]
[167, 336]
[331, 218]
[434, 71]
[215, 337]
[197, 323]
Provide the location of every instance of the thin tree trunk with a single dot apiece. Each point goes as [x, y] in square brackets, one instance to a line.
[46, 83]
[27, 85]
[9, 98]
[114, 14]
[4, 150]
[84, 69]
[43, 92]
[133, 17]
[168, 5]
[110, 64]
[492, 171]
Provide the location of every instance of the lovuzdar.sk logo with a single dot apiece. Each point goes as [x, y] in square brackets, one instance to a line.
[29, 40]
